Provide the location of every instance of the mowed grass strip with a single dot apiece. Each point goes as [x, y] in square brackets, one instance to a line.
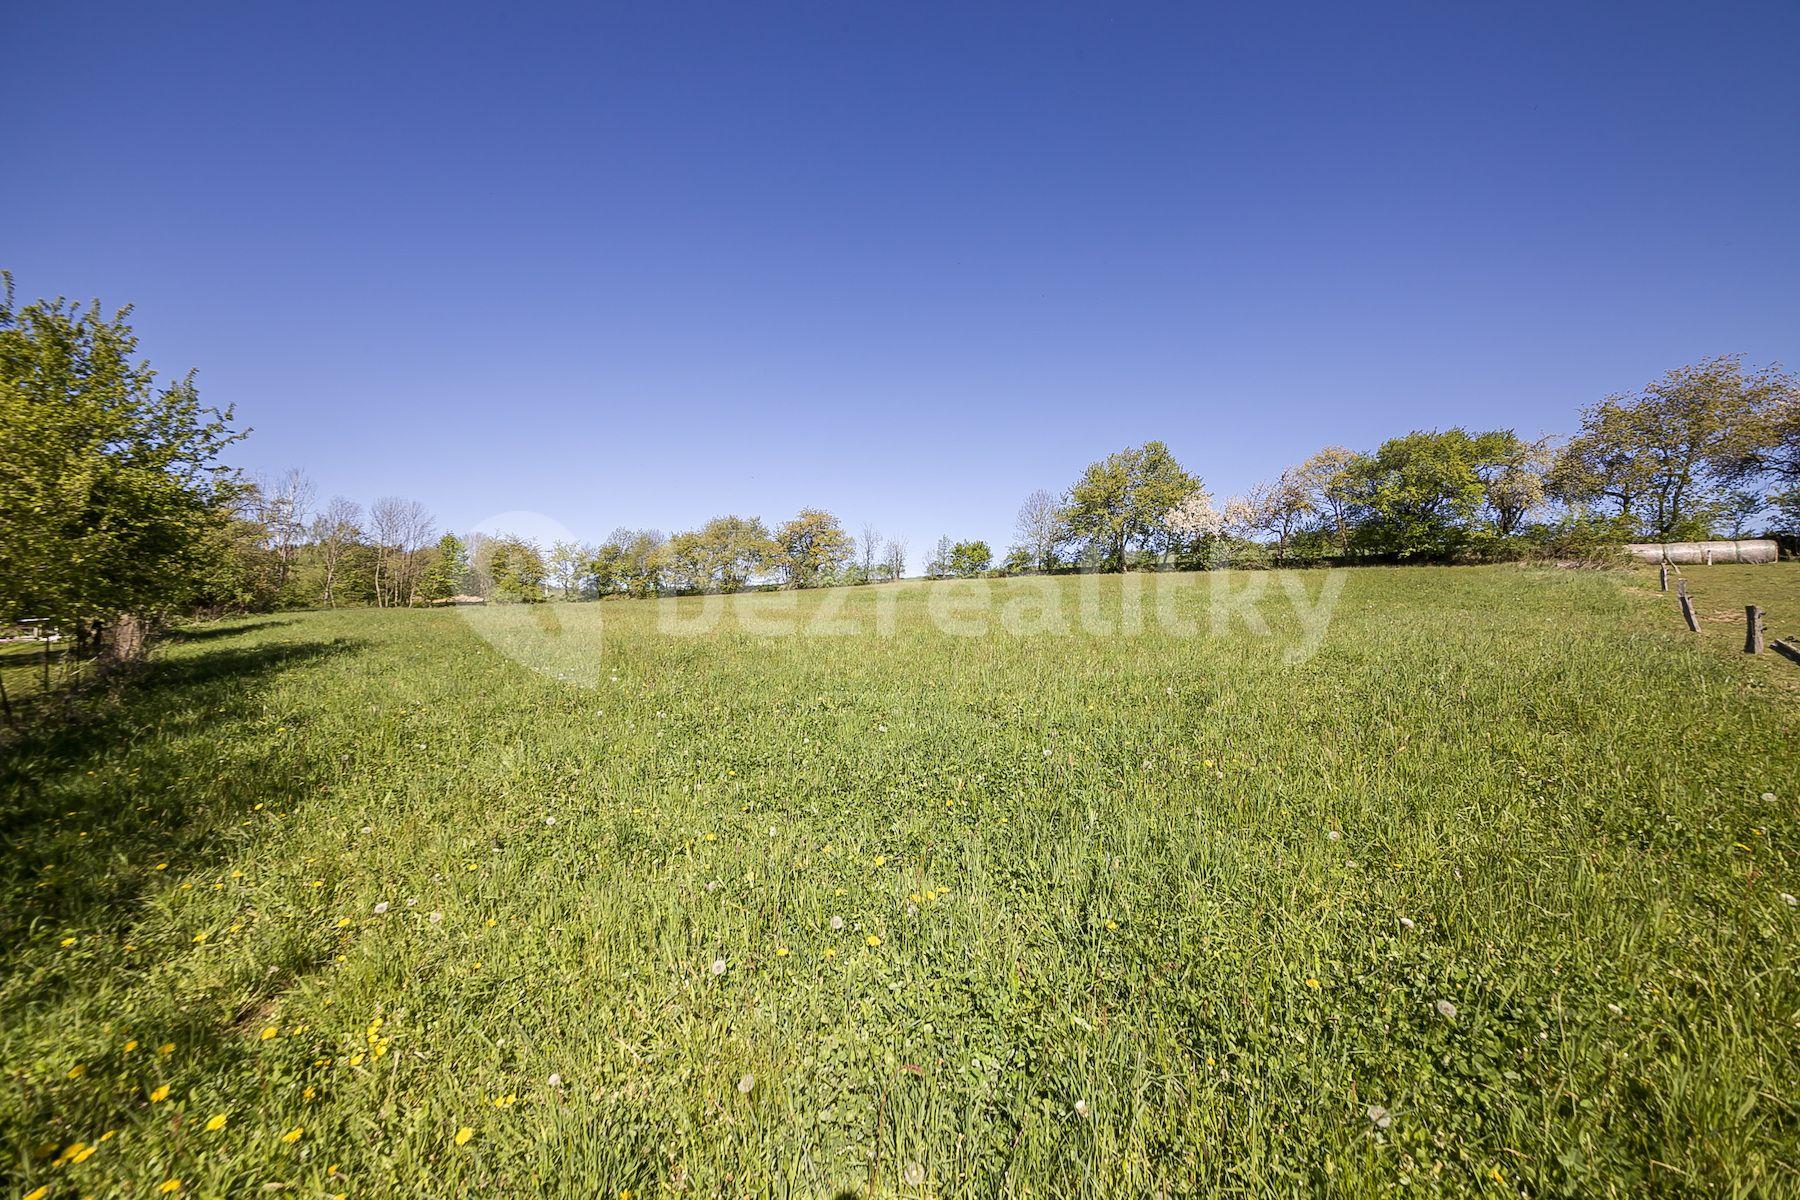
[1488, 895]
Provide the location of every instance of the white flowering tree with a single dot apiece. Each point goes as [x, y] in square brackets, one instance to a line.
[1194, 523]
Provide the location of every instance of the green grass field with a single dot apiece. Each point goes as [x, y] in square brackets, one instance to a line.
[1484, 897]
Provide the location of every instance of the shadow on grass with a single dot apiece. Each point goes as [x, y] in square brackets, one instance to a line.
[90, 800]
[208, 633]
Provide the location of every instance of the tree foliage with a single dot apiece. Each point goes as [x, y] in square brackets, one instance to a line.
[112, 499]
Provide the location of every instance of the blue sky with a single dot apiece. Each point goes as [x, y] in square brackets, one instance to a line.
[645, 264]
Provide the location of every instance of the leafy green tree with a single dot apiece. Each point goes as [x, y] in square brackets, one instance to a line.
[113, 506]
[516, 569]
[968, 559]
[812, 546]
[448, 573]
[724, 553]
[1416, 495]
[1123, 500]
[630, 562]
[1666, 458]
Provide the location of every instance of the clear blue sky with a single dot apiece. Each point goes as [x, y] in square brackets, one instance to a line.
[644, 264]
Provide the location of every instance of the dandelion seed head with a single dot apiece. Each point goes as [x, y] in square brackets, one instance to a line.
[746, 1083]
[1446, 1010]
[718, 966]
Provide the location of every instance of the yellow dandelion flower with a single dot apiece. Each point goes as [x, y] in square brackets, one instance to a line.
[872, 940]
[170, 1186]
[77, 1071]
[215, 1123]
[829, 952]
[83, 1154]
[356, 1060]
[67, 942]
[268, 1032]
[343, 922]
[881, 860]
[166, 1048]
[108, 1135]
[781, 952]
[492, 922]
[130, 1046]
[293, 1135]
[38, 1193]
[463, 1135]
[160, 1094]
[1313, 984]
[164, 867]
[200, 937]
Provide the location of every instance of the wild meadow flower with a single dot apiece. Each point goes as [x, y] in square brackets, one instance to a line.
[463, 1135]
[160, 1094]
[436, 918]
[293, 1135]
[1406, 923]
[1379, 1117]
[381, 906]
[872, 941]
[1081, 1108]
[268, 1032]
[215, 1123]
[169, 1186]
[1334, 835]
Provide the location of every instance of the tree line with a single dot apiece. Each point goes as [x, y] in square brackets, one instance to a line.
[116, 506]
[1709, 450]
[284, 554]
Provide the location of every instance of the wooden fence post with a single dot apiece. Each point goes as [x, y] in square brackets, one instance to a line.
[1687, 605]
[1753, 633]
[1664, 570]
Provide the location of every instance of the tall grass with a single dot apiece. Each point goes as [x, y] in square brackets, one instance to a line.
[1485, 897]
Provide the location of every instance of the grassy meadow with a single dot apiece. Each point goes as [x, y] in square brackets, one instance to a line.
[923, 897]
